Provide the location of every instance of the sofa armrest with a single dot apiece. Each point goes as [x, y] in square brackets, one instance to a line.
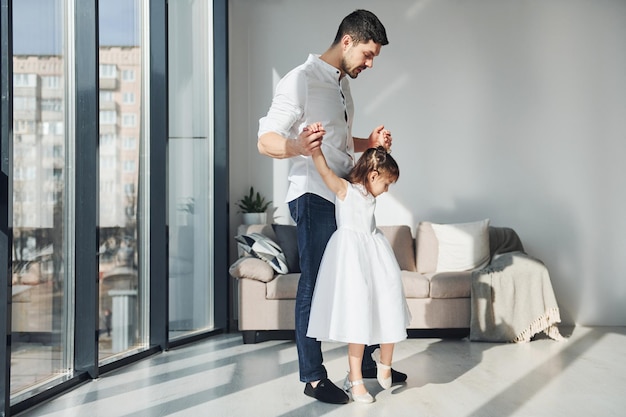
[251, 268]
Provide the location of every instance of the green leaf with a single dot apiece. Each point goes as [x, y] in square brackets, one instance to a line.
[253, 203]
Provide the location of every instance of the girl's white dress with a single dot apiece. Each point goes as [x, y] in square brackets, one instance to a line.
[358, 297]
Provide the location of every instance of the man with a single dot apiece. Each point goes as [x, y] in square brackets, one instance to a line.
[319, 91]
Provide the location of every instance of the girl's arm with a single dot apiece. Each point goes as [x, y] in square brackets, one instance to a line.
[337, 185]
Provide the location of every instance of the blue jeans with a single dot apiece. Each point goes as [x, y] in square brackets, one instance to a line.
[315, 220]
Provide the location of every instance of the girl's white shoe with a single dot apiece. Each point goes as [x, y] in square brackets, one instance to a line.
[384, 382]
[360, 398]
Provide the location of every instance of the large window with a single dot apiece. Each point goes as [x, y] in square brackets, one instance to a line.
[101, 184]
[122, 283]
[190, 182]
[40, 290]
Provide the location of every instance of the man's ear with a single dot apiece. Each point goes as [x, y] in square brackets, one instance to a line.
[346, 41]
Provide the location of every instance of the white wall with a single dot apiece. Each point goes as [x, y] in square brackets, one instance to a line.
[513, 111]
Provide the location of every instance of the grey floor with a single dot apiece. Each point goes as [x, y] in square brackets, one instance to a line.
[583, 376]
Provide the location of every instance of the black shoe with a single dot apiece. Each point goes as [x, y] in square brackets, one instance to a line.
[326, 392]
[396, 376]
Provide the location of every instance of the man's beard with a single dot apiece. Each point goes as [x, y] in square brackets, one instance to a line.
[351, 73]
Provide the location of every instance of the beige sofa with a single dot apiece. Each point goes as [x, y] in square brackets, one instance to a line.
[437, 300]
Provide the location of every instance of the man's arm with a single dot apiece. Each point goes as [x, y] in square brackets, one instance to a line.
[287, 110]
[361, 144]
[276, 146]
[379, 137]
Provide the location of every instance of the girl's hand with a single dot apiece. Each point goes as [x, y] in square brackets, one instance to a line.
[310, 139]
[315, 127]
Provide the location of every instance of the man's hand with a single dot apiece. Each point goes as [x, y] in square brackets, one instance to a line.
[380, 137]
[276, 146]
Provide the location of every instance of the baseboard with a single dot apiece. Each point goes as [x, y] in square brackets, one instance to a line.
[256, 336]
[438, 333]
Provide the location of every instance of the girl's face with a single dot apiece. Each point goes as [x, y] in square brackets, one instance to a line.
[378, 183]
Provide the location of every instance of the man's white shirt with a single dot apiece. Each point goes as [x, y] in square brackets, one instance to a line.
[313, 92]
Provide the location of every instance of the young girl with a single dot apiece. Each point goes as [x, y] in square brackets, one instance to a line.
[358, 298]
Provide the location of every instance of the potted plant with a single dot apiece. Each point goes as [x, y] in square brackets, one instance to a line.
[253, 207]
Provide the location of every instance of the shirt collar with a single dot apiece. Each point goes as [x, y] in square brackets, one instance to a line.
[325, 66]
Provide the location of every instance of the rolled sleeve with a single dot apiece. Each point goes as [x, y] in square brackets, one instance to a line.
[286, 112]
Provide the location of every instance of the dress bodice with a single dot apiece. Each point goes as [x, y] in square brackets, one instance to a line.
[356, 211]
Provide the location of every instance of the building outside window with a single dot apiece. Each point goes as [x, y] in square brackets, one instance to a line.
[129, 120]
[108, 71]
[41, 290]
[122, 286]
[106, 96]
[128, 75]
[129, 143]
[129, 98]
[24, 80]
[51, 82]
[52, 104]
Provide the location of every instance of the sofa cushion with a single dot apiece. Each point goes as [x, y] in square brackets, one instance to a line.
[283, 287]
[462, 246]
[450, 284]
[265, 249]
[253, 268]
[426, 248]
[287, 239]
[415, 285]
[401, 241]
[246, 229]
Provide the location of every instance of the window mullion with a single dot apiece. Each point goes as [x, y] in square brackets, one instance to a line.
[86, 181]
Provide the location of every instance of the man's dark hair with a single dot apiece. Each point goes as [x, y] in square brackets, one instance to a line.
[363, 26]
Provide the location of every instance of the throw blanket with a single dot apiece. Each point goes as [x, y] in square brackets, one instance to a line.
[503, 240]
[512, 300]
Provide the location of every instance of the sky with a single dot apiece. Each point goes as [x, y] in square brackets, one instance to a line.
[38, 25]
